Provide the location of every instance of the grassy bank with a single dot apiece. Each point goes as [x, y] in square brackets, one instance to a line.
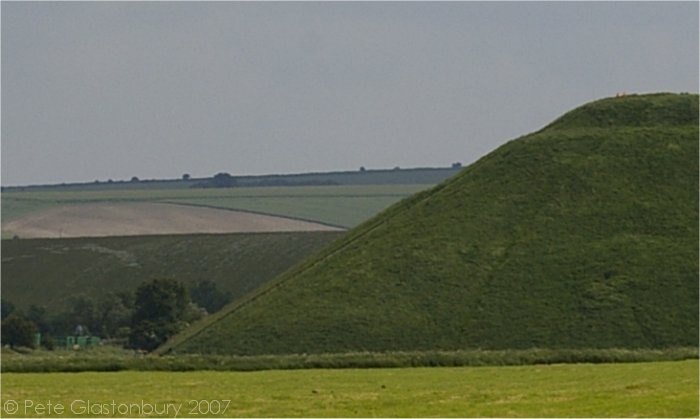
[112, 359]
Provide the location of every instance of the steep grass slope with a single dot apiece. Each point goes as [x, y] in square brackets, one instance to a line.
[47, 272]
[581, 235]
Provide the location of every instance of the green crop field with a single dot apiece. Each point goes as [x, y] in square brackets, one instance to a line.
[335, 210]
[658, 389]
[343, 205]
[47, 272]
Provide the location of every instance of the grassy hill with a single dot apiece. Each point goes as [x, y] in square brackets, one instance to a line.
[47, 272]
[581, 235]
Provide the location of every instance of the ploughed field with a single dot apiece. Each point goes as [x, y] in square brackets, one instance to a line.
[147, 218]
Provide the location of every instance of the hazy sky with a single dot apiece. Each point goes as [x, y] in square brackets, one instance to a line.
[96, 90]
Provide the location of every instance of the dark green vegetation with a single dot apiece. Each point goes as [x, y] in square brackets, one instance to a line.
[160, 310]
[18, 331]
[52, 273]
[581, 235]
[140, 319]
[109, 358]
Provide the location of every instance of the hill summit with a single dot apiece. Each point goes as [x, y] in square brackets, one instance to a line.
[581, 235]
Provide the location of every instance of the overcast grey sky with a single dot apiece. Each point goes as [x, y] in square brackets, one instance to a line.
[96, 90]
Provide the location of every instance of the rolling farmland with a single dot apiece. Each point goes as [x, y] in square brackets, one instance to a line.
[350, 209]
[574, 244]
[343, 206]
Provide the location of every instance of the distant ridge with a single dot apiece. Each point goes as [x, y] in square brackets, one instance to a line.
[397, 175]
[581, 235]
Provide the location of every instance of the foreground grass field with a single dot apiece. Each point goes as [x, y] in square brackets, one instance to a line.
[659, 389]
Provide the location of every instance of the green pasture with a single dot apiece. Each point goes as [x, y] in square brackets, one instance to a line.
[343, 205]
[48, 272]
[658, 389]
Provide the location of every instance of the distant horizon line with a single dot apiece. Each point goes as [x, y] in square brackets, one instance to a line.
[135, 179]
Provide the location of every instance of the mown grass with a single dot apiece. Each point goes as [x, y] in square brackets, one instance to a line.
[659, 389]
[117, 359]
[47, 272]
[342, 205]
[577, 236]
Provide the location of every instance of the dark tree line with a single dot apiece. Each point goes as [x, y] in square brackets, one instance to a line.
[142, 319]
[220, 180]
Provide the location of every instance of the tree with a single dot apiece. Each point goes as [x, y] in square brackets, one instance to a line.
[83, 315]
[37, 315]
[18, 331]
[186, 176]
[159, 309]
[134, 179]
[206, 295]
[223, 180]
[219, 180]
[114, 312]
[6, 307]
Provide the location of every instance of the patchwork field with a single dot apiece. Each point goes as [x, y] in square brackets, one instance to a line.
[146, 218]
[343, 206]
[659, 389]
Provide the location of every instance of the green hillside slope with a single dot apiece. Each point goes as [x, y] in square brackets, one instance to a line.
[47, 272]
[581, 235]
